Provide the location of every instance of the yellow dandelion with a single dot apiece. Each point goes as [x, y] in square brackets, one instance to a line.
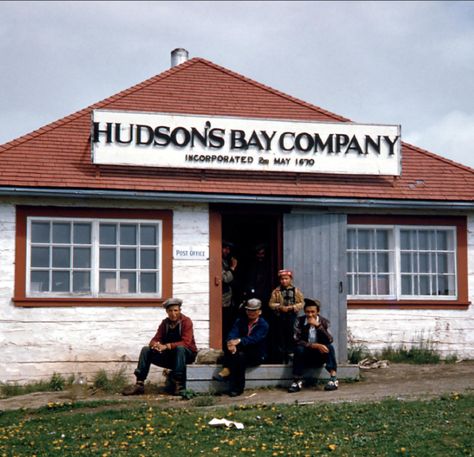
[332, 447]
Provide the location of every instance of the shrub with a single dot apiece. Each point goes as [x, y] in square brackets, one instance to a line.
[114, 384]
[357, 352]
[422, 352]
[57, 382]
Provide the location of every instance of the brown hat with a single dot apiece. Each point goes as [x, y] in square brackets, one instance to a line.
[172, 302]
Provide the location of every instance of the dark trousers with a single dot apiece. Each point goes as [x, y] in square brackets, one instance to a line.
[237, 363]
[174, 359]
[307, 357]
[286, 343]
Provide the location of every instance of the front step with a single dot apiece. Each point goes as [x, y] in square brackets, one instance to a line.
[199, 377]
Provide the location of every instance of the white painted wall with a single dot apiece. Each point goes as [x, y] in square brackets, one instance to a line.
[36, 342]
[450, 331]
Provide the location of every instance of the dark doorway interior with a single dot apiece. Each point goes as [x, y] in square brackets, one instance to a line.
[249, 232]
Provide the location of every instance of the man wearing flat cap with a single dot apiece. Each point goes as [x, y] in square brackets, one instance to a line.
[172, 347]
[245, 345]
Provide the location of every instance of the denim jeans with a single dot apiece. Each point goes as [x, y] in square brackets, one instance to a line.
[307, 357]
[174, 359]
[246, 356]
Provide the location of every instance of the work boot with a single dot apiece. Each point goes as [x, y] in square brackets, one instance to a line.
[223, 375]
[137, 389]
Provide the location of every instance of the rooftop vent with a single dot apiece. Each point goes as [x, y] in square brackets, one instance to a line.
[178, 56]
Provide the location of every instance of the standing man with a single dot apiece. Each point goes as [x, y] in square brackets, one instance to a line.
[172, 347]
[245, 345]
[313, 346]
[229, 264]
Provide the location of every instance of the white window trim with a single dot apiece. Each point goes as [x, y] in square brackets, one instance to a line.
[95, 222]
[397, 263]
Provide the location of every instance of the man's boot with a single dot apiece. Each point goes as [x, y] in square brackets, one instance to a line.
[137, 389]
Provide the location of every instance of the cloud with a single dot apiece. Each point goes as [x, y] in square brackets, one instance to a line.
[452, 136]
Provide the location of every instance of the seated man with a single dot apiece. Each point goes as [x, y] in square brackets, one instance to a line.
[172, 347]
[245, 345]
[313, 346]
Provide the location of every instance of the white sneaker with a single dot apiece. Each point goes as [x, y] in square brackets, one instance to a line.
[296, 386]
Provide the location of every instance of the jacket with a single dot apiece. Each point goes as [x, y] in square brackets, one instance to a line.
[255, 337]
[301, 334]
[185, 326]
[277, 300]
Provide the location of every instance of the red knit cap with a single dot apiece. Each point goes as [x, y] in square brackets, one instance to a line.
[285, 273]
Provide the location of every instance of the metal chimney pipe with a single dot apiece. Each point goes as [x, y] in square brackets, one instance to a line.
[178, 56]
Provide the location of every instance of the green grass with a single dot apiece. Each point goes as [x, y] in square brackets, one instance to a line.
[56, 383]
[438, 427]
[421, 353]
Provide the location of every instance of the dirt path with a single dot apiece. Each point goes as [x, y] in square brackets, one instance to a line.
[401, 381]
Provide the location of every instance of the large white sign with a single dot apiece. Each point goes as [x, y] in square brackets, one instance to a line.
[231, 143]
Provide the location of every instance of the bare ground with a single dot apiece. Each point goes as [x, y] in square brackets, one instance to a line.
[402, 381]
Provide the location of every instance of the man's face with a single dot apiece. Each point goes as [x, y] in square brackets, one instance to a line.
[285, 280]
[261, 255]
[174, 312]
[311, 311]
[225, 251]
[253, 314]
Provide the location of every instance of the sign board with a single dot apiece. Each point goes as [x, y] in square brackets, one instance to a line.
[191, 252]
[231, 143]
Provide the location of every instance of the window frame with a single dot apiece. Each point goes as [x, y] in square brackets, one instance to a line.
[458, 223]
[23, 213]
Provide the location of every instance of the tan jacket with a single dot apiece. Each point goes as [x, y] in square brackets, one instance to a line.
[277, 301]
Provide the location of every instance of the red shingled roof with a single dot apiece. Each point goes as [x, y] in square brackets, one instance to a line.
[58, 155]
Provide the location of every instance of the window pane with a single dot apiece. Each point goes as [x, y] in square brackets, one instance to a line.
[350, 262]
[406, 263]
[442, 240]
[383, 285]
[82, 258]
[108, 234]
[148, 235]
[40, 232]
[365, 239]
[424, 263]
[61, 258]
[364, 263]
[424, 285]
[426, 240]
[382, 239]
[351, 239]
[82, 233]
[407, 285]
[407, 239]
[39, 281]
[148, 282]
[107, 282]
[363, 283]
[128, 283]
[40, 257]
[128, 234]
[108, 258]
[128, 258]
[350, 287]
[382, 263]
[81, 281]
[60, 281]
[61, 232]
[148, 258]
[443, 263]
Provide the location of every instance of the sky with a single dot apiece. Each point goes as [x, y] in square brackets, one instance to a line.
[406, 63]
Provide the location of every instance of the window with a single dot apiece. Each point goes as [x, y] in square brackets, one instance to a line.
[406, 260]
[93, 255]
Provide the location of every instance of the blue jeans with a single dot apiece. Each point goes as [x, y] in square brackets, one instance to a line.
[174, 359]
[307, 357]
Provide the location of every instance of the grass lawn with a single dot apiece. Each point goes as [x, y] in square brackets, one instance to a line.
[441, 427]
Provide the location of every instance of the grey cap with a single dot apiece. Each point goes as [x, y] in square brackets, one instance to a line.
[172, 302]
[253, 304]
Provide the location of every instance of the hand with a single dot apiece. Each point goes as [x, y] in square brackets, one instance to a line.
[233, 263]
[159, 347]
[314, 321]
[320, 347]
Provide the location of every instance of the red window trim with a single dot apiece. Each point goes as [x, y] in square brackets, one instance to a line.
[23, 212]
[460, 222]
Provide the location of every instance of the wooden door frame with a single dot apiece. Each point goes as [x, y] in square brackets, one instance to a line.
[215, 279]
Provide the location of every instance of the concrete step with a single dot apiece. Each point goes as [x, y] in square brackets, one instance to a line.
[200, 376]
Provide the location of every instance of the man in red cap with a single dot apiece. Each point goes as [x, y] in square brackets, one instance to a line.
[286, 302]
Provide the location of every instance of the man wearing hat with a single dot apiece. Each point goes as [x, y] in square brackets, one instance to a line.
[245, 345]
[313, 346]
[172, 347]
[286, 302]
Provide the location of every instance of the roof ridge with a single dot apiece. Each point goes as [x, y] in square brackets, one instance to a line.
[104, 102]
[271, 89]
[438, 157]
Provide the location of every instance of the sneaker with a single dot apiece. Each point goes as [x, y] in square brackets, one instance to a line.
[137, 389]
[296, 386]
[332, 384]
[223, 375]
